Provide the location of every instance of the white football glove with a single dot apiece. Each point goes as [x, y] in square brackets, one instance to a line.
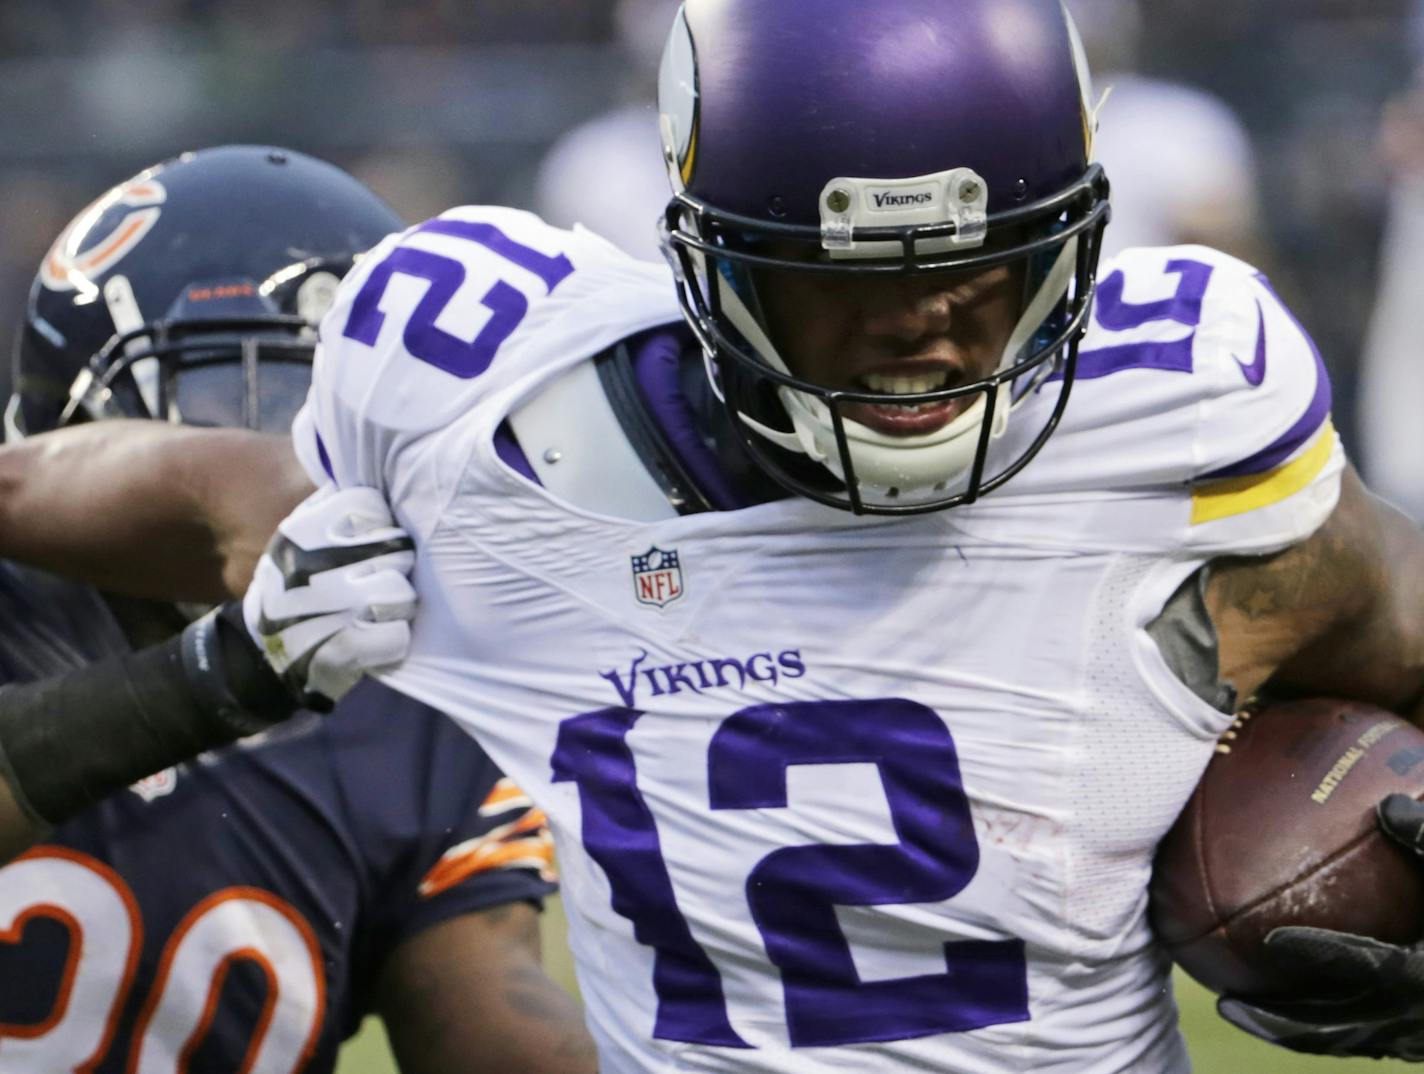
[330, 599]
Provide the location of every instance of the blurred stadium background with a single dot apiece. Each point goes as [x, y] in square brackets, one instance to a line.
[1288, 131]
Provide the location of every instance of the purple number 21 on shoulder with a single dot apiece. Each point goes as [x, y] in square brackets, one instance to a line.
[422, 337]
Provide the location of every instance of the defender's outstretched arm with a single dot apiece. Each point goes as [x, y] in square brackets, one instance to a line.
[148, 509]
[339, 603]
[72, 739]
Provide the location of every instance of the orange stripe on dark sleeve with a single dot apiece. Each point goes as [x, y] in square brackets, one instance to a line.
[505, 795]
[483, 856]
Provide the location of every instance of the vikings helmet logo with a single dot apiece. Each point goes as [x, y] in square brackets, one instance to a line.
[677, 100]
[82, 254]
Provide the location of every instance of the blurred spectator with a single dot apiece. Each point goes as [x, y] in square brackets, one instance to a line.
[1391, 412]
[1181, 164]
[1308, 78]
[607, 174]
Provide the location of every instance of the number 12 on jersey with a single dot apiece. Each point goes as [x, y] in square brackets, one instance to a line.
[794, 890]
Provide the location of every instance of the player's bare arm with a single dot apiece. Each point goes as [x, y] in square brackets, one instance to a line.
[138, 713]
[470, 994]
[146, 508]
[153, 510]
[1341, 613]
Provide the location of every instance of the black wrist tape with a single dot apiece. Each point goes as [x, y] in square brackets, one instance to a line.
[228, 675]
[68, 741]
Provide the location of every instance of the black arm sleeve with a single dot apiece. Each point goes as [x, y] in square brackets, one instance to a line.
[68, 741]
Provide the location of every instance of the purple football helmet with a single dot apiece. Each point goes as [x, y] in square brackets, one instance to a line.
[897, 138]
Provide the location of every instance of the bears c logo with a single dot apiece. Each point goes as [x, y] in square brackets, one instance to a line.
[67, 267]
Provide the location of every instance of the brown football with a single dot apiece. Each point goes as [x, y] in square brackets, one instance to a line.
[1281, 831]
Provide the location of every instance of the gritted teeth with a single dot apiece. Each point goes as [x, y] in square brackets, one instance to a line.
[888, 384]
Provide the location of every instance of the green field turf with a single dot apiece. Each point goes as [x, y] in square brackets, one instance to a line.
[1216, 1047]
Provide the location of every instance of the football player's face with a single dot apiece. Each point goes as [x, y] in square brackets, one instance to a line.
[894, 335]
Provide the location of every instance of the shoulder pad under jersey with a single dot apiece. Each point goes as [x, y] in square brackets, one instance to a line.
[449, 312]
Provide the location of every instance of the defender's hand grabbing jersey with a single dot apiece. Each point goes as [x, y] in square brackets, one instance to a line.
[832, 793]
[238, 911]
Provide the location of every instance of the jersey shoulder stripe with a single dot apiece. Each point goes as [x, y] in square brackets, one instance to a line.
[1230, 496]
[1202, 420]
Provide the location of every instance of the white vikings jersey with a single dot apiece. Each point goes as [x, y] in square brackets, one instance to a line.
[831, 794]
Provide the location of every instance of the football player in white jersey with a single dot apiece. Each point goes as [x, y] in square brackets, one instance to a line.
[858, 670]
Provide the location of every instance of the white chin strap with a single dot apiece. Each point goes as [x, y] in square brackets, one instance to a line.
[897, 467]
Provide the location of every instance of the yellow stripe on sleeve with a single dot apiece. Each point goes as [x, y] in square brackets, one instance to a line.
[1238, 495]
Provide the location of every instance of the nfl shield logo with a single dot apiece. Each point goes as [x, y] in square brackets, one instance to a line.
[657, 577]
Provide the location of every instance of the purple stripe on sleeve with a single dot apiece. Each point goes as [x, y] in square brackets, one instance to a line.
[324, 457]
[1299, 434]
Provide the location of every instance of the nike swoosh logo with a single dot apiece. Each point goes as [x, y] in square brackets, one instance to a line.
[1256, 371]
[298, 564]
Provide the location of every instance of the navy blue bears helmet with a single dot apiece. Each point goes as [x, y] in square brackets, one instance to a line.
[191, 292]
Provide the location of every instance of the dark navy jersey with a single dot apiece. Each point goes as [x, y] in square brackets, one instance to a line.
[234, 913]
